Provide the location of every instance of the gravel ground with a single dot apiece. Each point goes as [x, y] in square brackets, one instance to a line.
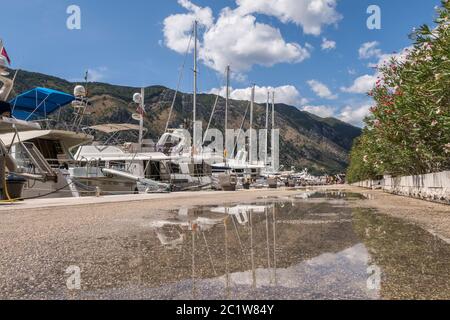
[434, 217]
[39, 243]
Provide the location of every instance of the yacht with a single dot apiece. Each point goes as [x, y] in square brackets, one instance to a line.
[44, 155]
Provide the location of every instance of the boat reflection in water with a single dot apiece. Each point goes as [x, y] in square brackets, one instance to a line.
[263, 251]
[301, 247]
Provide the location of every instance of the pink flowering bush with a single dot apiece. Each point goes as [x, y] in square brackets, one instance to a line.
[408, 130]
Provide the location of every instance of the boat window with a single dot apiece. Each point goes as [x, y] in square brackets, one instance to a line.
[117, 165]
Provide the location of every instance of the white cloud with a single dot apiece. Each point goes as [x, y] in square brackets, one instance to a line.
[236, 38]
[240, 41]
[321, 90]
[367, 82]
[349, 114]
[311, 15]
[370, 50]
[385, 58]
[321, 111]
[97, 74]
[178, 27]
[354, 115]
[284, 94]
[328, 44]
[362, 84]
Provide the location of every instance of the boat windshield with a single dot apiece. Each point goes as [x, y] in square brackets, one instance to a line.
[171, 143]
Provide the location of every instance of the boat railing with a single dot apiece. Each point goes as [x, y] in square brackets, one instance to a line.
[31, 159]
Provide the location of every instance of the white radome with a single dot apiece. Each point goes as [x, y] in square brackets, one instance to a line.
[79, 91]
[137, 98]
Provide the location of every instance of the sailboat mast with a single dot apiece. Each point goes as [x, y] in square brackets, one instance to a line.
[227, 98]
[194, 130]
[252, 104]
[267, 128]
[273, 128]
[141, 119]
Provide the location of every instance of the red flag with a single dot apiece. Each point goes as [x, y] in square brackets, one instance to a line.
[5, 54]
[140, 111]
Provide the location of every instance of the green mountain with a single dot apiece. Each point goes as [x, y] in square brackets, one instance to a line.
[322, 145]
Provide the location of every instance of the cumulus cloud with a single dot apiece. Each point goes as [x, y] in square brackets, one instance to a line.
[362, 84]
[320, 111]
[97, 74]
[321, 90]
[225, 43]
[350, 114]
[284, 94]
[365, 83]
[354, 115]
[370, 50]
[236, 38]
[178, 27]
[385, 58]
[328, 44]
[311, 15]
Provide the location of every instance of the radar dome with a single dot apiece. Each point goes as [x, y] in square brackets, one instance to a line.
[137, 98]
[79, 91]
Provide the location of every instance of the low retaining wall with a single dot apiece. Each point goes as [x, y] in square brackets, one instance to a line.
[432, 187]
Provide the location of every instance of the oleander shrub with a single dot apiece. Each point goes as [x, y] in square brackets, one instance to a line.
[408, 129]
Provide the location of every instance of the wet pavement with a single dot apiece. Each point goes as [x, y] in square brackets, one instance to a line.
[303, 246]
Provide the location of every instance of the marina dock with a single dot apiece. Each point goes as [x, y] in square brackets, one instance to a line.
[194, 197]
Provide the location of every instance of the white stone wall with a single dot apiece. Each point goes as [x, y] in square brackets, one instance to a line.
[433, 187]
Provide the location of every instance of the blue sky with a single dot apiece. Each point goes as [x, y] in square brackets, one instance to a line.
[270, 43]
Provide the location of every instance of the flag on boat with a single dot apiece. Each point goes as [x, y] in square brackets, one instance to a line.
[140, 111]
[4, 53]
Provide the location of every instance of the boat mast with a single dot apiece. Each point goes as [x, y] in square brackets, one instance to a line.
[267, 128]
[252, 104]
[273, 128]
[227, 98]
[141, 118]
[194, 130]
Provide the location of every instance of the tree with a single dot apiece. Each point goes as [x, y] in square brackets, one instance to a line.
[408, 130]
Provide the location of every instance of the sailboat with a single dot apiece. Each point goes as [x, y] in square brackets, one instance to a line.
[242, 165]
[161, 167]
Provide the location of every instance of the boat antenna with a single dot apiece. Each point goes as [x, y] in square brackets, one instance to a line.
[86, 77]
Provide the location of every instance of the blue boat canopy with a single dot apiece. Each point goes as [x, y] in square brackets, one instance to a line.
[38, 103]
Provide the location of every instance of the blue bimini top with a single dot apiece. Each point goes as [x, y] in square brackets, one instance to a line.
[39, 103]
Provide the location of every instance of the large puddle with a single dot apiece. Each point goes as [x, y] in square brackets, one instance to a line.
[308, 246]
